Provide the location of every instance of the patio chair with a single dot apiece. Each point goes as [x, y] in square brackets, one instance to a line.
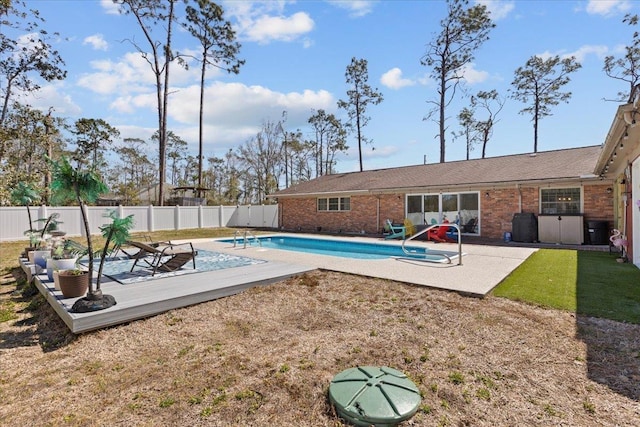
[470, 226]
[165, 257]
[395, 231]
[127, 250]
[409, 227]
[439, 234]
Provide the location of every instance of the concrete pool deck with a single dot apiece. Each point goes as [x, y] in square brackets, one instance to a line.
[483, 267]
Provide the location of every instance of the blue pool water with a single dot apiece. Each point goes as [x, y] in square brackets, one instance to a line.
[344, 248]
[118, 269]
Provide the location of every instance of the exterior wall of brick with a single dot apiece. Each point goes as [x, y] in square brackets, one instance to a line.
[598, 203]
[497, 207]
[367, 214]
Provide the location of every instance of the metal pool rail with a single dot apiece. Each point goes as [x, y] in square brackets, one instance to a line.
[421, 232]
[255, 239]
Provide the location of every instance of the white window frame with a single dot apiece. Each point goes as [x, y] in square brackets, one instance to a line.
[568, 187]
[338, 202]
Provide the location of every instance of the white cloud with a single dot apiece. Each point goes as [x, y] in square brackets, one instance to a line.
[26, 42]
[131, 74]
[236, 104]
[599, 51]
[96, 41]
[52, 95]
[472, 76]
[425, 80]
[468, 73]
[128, 104]
[581, 54]
[265, 21]
[498, 9]
[393, 79]
[384, 151]
[109, 7]
[233, 112]
[607, 7]
[357, 8]
[267, 28]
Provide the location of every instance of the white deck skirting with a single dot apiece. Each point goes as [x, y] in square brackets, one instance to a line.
[140, 300]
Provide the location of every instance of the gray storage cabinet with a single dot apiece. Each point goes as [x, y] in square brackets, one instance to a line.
[564, 229]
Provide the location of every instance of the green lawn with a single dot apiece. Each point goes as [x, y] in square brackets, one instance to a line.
[585, 282]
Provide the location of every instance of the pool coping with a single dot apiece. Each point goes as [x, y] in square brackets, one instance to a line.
[482, 268]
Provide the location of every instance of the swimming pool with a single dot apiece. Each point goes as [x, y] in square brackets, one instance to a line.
[344, 248]
[119, 268]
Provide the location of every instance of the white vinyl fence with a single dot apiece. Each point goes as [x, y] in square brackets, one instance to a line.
[14, 220]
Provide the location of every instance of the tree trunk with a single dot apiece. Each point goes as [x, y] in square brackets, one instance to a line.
[485, 140]
[200, 135]
[30, 221]
[104, 256]
[535, 127]
[85, 221]
[165, 97]
[5, 104]
[359, 134]
[441, 121]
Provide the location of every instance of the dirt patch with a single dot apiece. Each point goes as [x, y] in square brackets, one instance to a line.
[267, 356]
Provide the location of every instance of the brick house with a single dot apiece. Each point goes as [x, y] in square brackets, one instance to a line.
[558, 190]
[619, 162]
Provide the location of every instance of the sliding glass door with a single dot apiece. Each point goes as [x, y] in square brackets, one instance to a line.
[469, 212]
[461, 208]
[431, 208]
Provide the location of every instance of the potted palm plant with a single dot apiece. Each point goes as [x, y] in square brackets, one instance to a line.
[83, 186]
[118, 233]
[51, 226]
[46, 240]
[25, 194]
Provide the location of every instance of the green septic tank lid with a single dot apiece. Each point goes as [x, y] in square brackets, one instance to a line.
[369, 395]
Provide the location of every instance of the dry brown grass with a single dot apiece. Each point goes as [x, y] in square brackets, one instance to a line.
[266, 357]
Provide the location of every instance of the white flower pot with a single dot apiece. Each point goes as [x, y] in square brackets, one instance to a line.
[64, 264]
[40, 258]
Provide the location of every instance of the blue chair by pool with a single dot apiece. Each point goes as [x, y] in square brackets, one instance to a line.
[395, 231]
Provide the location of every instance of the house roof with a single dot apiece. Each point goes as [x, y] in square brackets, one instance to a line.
[548, 166]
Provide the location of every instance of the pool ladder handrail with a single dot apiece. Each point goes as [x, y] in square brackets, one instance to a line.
[255, 238]
[421, 232]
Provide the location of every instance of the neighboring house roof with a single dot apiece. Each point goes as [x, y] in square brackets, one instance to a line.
[150, 192]
[547, 166]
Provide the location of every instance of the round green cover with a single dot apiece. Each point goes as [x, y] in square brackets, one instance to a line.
[370, 395]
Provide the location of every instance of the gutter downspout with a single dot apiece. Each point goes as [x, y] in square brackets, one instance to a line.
[519, 198]
[377, 214]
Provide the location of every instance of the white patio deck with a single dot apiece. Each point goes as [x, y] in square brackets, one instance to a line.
[483, 267]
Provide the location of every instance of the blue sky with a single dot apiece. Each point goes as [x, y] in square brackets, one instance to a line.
[296, 54]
